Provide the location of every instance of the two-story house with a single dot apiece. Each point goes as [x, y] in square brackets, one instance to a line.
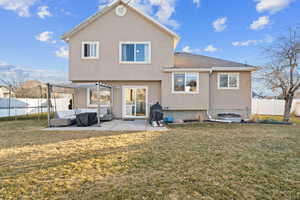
[128, 50]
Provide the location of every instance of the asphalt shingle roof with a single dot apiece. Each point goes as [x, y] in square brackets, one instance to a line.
[190, 60]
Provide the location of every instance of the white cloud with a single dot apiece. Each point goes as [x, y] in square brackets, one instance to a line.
[45, 37]
[2, 63]
[21, 7]
[187, 49]
[260, 23]
[43, 12]
[220, 24]
[162, 10]
[245, 43]
[211, 48]
[62, 52]
[272, 6]
[197, 2]
[12, 72]
[267, 39]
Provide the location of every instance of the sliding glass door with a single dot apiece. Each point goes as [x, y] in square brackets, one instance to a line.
[134, 102]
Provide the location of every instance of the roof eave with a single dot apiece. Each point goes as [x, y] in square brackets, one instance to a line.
[210, 69]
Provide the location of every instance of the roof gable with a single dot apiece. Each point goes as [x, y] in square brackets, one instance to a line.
[98, 14]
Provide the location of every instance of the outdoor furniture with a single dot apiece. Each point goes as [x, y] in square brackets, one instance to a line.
[66, 118]
[61, 122]
[63, 119]
[86, 119]
[69, 117]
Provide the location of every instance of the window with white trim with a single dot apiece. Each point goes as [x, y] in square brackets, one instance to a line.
[135, 52]
[90, 50]
[104, 96]
[185, 82]
[228, 80]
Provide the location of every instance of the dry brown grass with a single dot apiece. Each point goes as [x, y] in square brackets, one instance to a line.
[202, 161]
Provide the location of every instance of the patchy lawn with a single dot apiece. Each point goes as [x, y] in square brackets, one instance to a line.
[293, 119]
[203, 161]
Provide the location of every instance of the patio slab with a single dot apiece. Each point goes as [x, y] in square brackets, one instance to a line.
[115, 125]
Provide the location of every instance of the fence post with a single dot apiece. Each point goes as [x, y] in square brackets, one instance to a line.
[9, 99]
[40, 102]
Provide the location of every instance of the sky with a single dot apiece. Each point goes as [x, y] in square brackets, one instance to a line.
[237, 30]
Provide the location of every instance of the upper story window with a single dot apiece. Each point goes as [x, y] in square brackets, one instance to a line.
[135, 52]
[228, 80]
[185, 82]
[90, 50]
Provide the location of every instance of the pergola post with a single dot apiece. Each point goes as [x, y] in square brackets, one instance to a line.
[98, 104]
[48, 103]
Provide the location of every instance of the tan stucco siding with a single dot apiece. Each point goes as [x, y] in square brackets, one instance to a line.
[233, 98]
[110, 30]
[154, 94]
[198, 101]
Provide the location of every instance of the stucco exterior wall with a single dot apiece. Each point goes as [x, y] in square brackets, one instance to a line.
[198, 101]
[231, 99]
[110, 30]
[154, 94]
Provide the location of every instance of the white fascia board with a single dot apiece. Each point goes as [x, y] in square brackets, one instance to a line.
[186, 70]
[235, 68]
[210, 69]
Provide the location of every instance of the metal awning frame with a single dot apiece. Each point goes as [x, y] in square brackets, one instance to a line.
[97, 85]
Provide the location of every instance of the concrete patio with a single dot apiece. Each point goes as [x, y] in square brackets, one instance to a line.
[115, 125]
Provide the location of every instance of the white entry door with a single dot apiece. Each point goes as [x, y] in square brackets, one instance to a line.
[135, 102]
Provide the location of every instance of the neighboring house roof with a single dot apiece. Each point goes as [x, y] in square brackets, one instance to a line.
[194, 62]
[98, 14]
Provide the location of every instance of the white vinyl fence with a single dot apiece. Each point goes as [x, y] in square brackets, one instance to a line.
[273, 107]
[23, 106]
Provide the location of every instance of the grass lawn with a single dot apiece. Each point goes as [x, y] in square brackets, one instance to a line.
[201, 161]
[293, 119]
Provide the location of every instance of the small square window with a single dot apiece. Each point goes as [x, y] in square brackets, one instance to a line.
[228, 80]
[90, 50]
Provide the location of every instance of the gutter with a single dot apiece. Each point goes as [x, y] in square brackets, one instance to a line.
[210, 70]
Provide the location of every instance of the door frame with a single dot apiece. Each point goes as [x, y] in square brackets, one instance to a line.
[124, 102]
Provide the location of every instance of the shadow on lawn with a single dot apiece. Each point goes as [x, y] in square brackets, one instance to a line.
[63, 166]
[22, 137]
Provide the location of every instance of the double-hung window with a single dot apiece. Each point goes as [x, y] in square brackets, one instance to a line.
[228, 80]
[90, 50]
[135, 52]
[185, 82]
